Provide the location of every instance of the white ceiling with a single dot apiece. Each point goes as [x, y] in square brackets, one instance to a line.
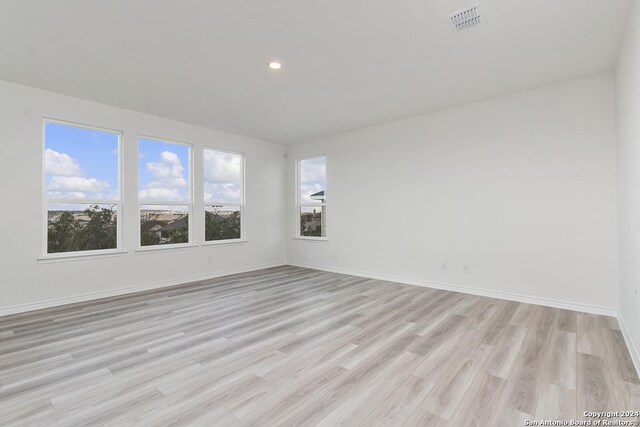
[346, 63]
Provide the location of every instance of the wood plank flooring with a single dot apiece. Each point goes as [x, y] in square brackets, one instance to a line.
[293, 346]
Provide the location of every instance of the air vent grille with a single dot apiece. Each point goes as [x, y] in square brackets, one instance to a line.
[466, 18]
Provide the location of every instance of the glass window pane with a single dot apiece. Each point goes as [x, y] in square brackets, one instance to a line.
[313, 220]
[222, 172]
[81, 227]
[222, 222]
[163, 225]
[163, 171]
[313, 181]
[80, 163]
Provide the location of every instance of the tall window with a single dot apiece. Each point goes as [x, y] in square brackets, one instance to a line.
[223, 195]
[312, 199]
[81, 188]
[164, 192]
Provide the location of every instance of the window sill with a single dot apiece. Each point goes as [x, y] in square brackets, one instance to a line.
[165, 248]
[312, 239]
[79, 256]
[224, 242]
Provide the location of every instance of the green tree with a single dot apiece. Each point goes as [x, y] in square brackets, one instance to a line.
[61, 233]
[222, 227]
[67, 234]
[147, 238]
[100, 232]
[179, 235]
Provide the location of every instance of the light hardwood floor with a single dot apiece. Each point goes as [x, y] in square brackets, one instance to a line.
[293, 346]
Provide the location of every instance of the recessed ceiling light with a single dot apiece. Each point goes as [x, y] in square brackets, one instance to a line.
[275, 65]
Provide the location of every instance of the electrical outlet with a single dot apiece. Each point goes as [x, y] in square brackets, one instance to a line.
[444, 266]
[210, 259]
[334, 255]
[466, 268]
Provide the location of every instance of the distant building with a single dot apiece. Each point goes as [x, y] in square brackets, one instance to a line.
[163, 228]
[322, 220]
[153, 227]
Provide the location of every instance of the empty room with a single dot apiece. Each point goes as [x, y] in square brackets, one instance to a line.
[320, 213]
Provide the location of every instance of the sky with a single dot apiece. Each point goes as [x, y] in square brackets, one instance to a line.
[163, 171]
[313, 178]
[222, 173]
[80, 163]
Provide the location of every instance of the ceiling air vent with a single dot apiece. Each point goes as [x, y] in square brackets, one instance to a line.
[466, 18]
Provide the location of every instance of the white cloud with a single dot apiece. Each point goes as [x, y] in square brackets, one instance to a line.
[307, 189]
[60, 164]
[169, 169]
[77, 187]
[66, 195]
[160, 194]
[221, 167]
[214, 192]
[313, 170]
[77, 183]
[67, 181]
[222, 176]
[312, 178]
[168, 177]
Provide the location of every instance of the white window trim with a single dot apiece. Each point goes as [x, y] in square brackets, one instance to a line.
[81, 255]
[172, 246]
[312, 239]
[225, 242]
[190, 243]
[300, 205]
[58, 256]
[243, 233]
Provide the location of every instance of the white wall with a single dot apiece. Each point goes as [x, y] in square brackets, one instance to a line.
[628, 121]
[26, 281]
[521, 188]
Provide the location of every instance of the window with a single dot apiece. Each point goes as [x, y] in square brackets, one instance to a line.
[223, 195]
[81, 188]
[164, 192]
[312, 201]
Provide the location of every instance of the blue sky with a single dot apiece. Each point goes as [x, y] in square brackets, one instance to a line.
[80, 163]
[163, 171]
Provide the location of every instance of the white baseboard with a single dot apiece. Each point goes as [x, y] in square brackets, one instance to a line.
[585, 308]
[630, 345]
[128, 290]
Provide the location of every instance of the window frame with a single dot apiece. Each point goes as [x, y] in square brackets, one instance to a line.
[243, 235]
[190, 243]
[300, 205]
[119, 249]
